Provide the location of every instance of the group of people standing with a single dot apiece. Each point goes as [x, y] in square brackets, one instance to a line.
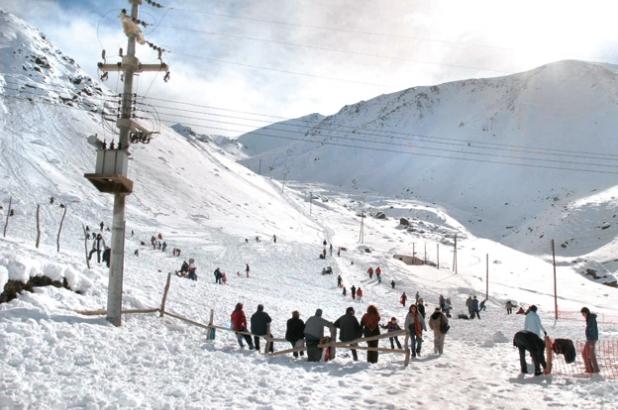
[534, 339]
[309, 335]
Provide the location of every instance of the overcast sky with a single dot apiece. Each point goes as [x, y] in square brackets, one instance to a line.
[294, 57]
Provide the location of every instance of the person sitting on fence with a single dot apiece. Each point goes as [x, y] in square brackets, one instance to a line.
[533, 323]
[350, 329]
[509, 307]
[294, 332]
[359, 294]
[370, 327]
[592, 336]
[439, 324]
[314, 331]
[530, 341]
[239, 324]
[415, 324]
[192, 270]
[390, 327]
[260, 321]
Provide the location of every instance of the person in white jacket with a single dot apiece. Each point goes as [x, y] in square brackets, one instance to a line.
[533, 323]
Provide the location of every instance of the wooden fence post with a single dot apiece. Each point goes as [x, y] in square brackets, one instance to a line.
[333, 341]
[553, 256]
[211, 329]
[8, 213]
[64, 213]
[486, 276]
[425, 256]
[438, 255]
[38, 226]
[406, 342]
[165, 290]
[86, 246]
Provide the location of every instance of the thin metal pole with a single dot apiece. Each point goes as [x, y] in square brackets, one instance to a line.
[438, 255]
[553, 255]
[486, 276]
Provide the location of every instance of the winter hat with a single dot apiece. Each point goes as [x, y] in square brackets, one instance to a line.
[393, 319]
[349, 310]
[318, 312]
[437, 309]
[260, 307]
[532, 308]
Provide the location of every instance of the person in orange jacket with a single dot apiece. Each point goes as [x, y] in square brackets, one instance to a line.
[370, 327]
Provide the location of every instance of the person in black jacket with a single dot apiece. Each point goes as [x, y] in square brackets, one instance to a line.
[96, 247]
[259, 326]
[295, 332]
[530, 341]
[107, 254]
[350, 329]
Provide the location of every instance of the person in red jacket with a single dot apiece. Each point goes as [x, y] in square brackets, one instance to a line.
[370, 272]
[239, 323]
[370, 327]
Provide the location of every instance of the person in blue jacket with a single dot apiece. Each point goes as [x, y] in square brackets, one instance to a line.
[592, 336]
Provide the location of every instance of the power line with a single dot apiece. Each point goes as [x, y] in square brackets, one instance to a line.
[390, 132]
[396, 134]
[335, 50]
[399, 151]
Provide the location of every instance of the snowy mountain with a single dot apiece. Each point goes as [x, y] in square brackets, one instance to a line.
[519, 159]
[51, 111]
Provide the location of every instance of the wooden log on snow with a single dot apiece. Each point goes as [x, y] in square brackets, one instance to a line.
[38, 226]
[64, 213]
[8, 213]
[165, 290]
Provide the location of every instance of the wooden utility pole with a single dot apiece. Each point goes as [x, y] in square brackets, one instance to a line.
[129, 66]
[413, 251]
[425, 256]
[260, 167]
[8, 213]
[310, 201]
[438, 255]
[553, 256]
[64, 213]
[38, 226]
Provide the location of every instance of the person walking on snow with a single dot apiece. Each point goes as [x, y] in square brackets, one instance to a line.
[217, 274]
[592, 336]
[370, 327]
[331, 249]
[370, 272]
[96, 247]
[393, 284]
[359, 294]
[474, 308]
[345, 291]
[260, 321]
[420, 306]
[439, 324]
[532, 323]
[339, 281]
[390, 327]
[192, 269]
[469, 306]
[247, 269]
[509, 307]
[314, 331]
[274, 238]
[415, 324]
[353, 290]
[350, 329]
[402, 299]
[107, 253]
[239, 324]
[294, 332]
[441, 302]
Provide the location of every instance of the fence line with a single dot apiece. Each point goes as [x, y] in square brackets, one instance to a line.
[607, 358]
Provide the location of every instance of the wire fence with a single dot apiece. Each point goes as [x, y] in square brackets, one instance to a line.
[577, 316]
[607, 358]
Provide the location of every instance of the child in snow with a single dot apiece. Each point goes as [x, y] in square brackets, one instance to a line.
[392, 326]
[359, 294]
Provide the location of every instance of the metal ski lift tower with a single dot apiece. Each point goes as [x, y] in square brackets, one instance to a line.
[112, 164]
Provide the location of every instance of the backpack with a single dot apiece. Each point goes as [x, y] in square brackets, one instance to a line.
[444, 327]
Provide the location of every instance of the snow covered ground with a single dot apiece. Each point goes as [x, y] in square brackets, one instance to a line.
[55, 358]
